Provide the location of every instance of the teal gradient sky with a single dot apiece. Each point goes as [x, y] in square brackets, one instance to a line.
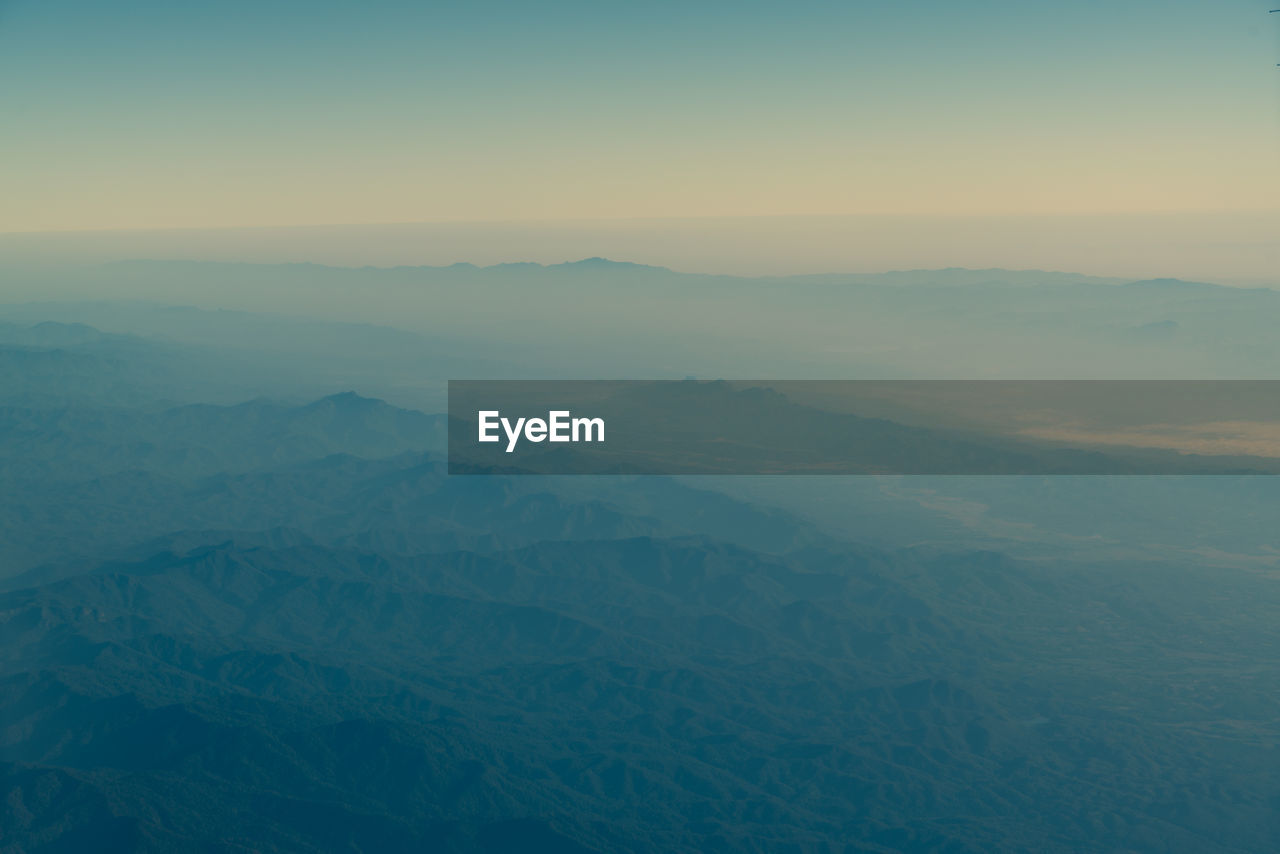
[156, 115]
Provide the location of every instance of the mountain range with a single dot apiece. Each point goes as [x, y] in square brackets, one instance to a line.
[243, 607]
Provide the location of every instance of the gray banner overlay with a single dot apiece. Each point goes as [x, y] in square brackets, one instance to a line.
[864, 427]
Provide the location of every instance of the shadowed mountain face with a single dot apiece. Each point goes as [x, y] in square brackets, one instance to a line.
[279, 626]
[356, 653]
[200, 440]
[345, 470]
[633, 695]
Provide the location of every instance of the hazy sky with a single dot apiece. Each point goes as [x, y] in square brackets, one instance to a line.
[173, 114]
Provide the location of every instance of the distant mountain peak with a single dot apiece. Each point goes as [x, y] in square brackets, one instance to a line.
[350, 400]
[53, 334]
[598, 263]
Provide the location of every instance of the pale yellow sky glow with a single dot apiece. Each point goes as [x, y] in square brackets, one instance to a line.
[196, 120]
[914, 177]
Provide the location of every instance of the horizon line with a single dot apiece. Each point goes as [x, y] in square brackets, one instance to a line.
[1117, 280]
[626, 219]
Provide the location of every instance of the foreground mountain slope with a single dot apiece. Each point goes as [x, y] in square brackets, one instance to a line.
[629, 695]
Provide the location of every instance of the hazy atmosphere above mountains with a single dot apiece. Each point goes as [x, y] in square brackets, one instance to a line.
[1231, 248]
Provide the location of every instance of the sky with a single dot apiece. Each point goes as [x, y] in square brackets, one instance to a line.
[157, 115]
